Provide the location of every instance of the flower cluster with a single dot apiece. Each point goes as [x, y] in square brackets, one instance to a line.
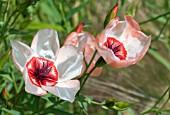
[48, 68]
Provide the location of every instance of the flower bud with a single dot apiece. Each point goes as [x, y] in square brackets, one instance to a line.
[111, 15]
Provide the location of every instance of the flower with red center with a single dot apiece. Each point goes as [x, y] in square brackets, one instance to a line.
[122, 43]
[82, 40]
[48, 68]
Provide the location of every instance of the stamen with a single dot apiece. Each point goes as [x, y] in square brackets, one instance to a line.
[115, 49]
[42, 72]
[41, 69]
[111, 45]
[47, 65]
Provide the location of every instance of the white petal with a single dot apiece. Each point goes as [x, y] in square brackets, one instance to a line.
[20, 54]
[46, 43]
[31, 88]
[65, 90]
[69, 63]
[83, 39]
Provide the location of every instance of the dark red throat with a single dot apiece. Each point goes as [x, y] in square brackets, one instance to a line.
[117, 48]
[42, 72]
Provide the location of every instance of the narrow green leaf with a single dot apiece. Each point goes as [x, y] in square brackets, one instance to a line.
[6, 77]
[56, 112]
[18, 32]
[38, 26]
[4, 59]
[132, 9]
[74, 10]
[159, 58]
[12, 112]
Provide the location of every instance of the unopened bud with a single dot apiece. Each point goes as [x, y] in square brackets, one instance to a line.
[111, 15]
[79, 28]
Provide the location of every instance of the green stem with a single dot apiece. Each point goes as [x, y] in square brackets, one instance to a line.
[157, 102]
[88, 75]
[84, 74]
[96, 103]
[14, 82]
[155, 18]
[87, 67]
[166, 101]
[162, 29]
[52, 106]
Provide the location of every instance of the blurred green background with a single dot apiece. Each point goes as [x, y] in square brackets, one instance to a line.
[142, 83]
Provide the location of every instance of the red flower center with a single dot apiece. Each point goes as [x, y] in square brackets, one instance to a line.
[117, 48]
[42, 72]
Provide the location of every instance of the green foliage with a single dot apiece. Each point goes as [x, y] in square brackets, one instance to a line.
[121, 105]
[112, 104]
[4, 58]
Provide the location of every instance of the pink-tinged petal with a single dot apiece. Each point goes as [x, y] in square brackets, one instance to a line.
[114, 26]
[106, 53]
[65, 90]
[79, 39]
[124, 43]
[131, 22]
[46, 43]
[20, 54]
[97, 71]
[69, 63]
[71, 39]
[88, 53]
[83, 39]
[42, 72]
[31, 88]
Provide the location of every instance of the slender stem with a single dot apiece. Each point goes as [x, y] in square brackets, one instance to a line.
[84, 74]
[166, 101]
[155, 18]
[157, 101]
[58, 102]
[87, 67]
[162, 29]
[14, 82]
[15, 18]
[96, 103]
[81, 87]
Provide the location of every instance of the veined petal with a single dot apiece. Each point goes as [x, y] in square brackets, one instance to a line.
[46, 43]
[20, 54]
[65, 90]
[31, 88]
[69, 63]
